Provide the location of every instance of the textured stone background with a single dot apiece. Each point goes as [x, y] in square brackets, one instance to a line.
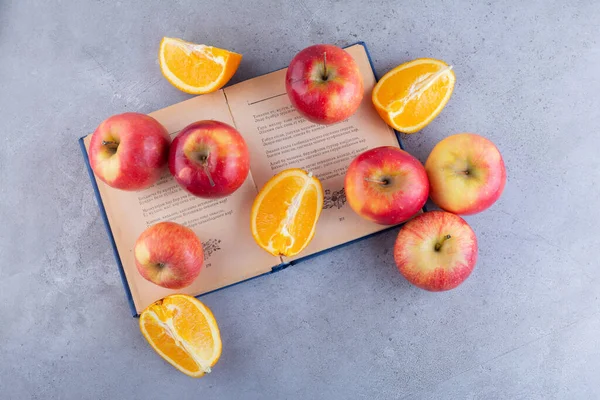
[346, 324]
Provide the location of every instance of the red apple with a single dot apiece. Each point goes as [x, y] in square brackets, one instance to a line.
[169, 255]
[386, 185]
[129, 151]
[466, 173]
[436, 251]
[209, 159]
[324, 84]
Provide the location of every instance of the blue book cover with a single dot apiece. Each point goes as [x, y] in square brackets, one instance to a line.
[230, 94]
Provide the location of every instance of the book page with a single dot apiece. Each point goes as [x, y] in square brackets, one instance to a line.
[223, 225]
[280, 138]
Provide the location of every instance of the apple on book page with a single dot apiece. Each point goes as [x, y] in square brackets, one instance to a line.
[223, 225]
[280, 138]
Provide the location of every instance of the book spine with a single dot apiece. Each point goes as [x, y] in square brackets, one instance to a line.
[108, 229]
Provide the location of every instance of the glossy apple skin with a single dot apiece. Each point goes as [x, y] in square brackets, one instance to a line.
[169, 255]
[320, 99]
[142, 151]
[430, 269]
[211, 146]
[401, 189]
[466, 173]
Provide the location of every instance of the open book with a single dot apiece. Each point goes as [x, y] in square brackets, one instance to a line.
[278, 138]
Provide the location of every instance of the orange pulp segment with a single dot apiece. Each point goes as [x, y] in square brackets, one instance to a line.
[184, 332]
[196, 68]
[285, 212]
[411, 95]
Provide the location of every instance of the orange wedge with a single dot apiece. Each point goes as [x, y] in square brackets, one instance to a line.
[184, 332]
[285, 212]
[411, 95]
[196, 68]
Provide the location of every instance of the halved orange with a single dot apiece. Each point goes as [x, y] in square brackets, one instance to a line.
[184, 332]
[411, 95]
[196, 68]
[285, 212]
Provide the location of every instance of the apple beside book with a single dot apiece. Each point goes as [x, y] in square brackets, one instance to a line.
[324, 84]
[169, 255]
[466, 173]
[386, 185]
[209, 159]
[129, 151]
[436, 251]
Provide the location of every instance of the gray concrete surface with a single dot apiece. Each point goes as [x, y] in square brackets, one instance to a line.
[345, 325]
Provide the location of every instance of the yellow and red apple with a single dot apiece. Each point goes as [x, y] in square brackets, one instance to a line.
[386, 185]
[129, 151]
[169, 255]
[466, 173]
[209, 159]
[324, 84]
[436, 251]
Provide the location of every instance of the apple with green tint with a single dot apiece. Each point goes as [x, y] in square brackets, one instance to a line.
[324, 84]
[169, 255]
[466, 173]
[386, 185]
[436, 251]
[129, 151]
[209, 159]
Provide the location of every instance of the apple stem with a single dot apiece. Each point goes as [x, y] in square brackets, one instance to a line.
[110, 145]
[202, 159]
[438, 246]
[325, 74]
[382, 182]
[207, 171]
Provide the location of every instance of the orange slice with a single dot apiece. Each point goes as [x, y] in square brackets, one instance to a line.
[196, 68]
[285, 212]
[411, 95]
[184, 332]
